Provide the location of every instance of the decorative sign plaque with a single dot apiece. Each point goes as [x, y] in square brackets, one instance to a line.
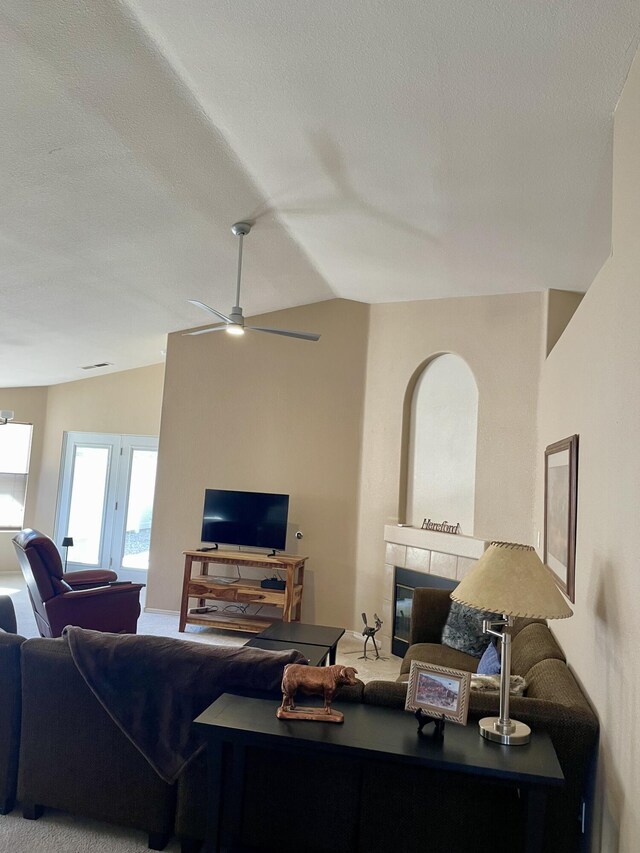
[440, 527]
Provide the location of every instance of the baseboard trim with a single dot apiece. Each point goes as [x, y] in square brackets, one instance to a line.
[161, 612]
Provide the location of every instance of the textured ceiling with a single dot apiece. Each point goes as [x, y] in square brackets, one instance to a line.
[385, 151]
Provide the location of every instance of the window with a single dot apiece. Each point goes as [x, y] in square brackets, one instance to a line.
[15, 447]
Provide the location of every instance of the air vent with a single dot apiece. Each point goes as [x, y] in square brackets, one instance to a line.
[93, 366]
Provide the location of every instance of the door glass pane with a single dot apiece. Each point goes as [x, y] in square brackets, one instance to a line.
[139, 509]
[88, 490]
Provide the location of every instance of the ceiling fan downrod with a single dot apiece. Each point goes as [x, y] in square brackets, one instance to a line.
[240, 229]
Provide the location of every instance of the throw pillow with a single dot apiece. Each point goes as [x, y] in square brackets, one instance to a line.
[490, 661]
[463, 629]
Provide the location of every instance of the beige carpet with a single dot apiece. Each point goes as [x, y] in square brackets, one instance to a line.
[58, 832]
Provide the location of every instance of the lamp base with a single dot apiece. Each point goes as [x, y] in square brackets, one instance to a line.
[520, 732]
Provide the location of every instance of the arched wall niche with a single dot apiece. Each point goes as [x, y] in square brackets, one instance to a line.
[439, 440]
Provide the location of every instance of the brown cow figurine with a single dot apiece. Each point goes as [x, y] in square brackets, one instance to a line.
[313, 680]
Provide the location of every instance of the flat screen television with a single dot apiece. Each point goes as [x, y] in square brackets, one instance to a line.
[248, 519]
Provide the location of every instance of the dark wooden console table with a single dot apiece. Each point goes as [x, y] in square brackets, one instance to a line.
[234, 723]
[204, 587]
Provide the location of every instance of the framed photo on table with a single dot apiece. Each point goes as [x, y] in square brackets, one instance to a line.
[560, 512]
[439, 691]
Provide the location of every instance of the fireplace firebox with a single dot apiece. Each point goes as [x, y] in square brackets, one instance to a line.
[405, 581]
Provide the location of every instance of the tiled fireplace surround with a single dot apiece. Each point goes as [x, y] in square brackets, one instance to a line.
[426, 551]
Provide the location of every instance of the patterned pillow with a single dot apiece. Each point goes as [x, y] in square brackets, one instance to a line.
[490, 661]
[463, 629]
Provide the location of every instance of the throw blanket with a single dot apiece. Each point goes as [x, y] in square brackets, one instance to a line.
[153, 688]
[517, 684]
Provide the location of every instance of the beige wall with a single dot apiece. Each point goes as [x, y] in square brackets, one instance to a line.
[590, 386]
[30, 406]
[125, 402]
[560, 306]
[266, 413]
[278, 415]
[500, 338]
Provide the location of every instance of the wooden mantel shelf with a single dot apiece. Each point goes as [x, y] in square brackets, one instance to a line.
[204, 587]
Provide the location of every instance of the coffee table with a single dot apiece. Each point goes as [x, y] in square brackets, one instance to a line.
[315, 655]
[300, 632]
[233, 724]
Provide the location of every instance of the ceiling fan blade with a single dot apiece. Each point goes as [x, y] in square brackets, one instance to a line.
[207, 330]
[305, 336]
[211, 310]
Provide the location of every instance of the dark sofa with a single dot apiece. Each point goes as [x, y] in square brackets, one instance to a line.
[10, 703]
[107, 721]
[75, 758]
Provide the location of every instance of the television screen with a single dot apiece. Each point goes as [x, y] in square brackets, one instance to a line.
[251, 519]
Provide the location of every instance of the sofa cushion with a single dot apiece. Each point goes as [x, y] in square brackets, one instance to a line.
[553, 681]
[463, 629]
[7, 615]
[10, 703]
[438, 654]
[429, 611]
[391, 694]
[534, 643]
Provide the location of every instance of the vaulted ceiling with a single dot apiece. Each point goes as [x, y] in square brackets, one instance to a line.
[386, 150]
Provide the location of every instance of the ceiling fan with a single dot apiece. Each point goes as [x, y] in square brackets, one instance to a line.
[234, 323]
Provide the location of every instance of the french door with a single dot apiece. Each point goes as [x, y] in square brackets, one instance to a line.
[105, 501]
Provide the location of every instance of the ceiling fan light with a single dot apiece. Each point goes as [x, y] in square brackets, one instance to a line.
[233, 329]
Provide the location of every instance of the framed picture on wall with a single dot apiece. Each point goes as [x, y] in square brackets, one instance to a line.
[560, 512]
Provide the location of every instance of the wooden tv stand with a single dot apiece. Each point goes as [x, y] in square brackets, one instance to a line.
[242, 591]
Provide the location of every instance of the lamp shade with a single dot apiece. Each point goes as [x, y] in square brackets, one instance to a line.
[512, 580]
[67, 542]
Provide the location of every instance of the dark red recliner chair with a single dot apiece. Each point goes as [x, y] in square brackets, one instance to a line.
[84, 578]
[57, 603]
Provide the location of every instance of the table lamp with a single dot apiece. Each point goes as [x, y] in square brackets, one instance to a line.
[512, 580]
[67, 543]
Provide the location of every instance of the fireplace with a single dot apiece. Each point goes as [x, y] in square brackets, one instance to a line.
[404, 583]
[420, 558]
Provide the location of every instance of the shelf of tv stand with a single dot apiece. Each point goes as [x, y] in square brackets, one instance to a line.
[230, 622]
[205, 587]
